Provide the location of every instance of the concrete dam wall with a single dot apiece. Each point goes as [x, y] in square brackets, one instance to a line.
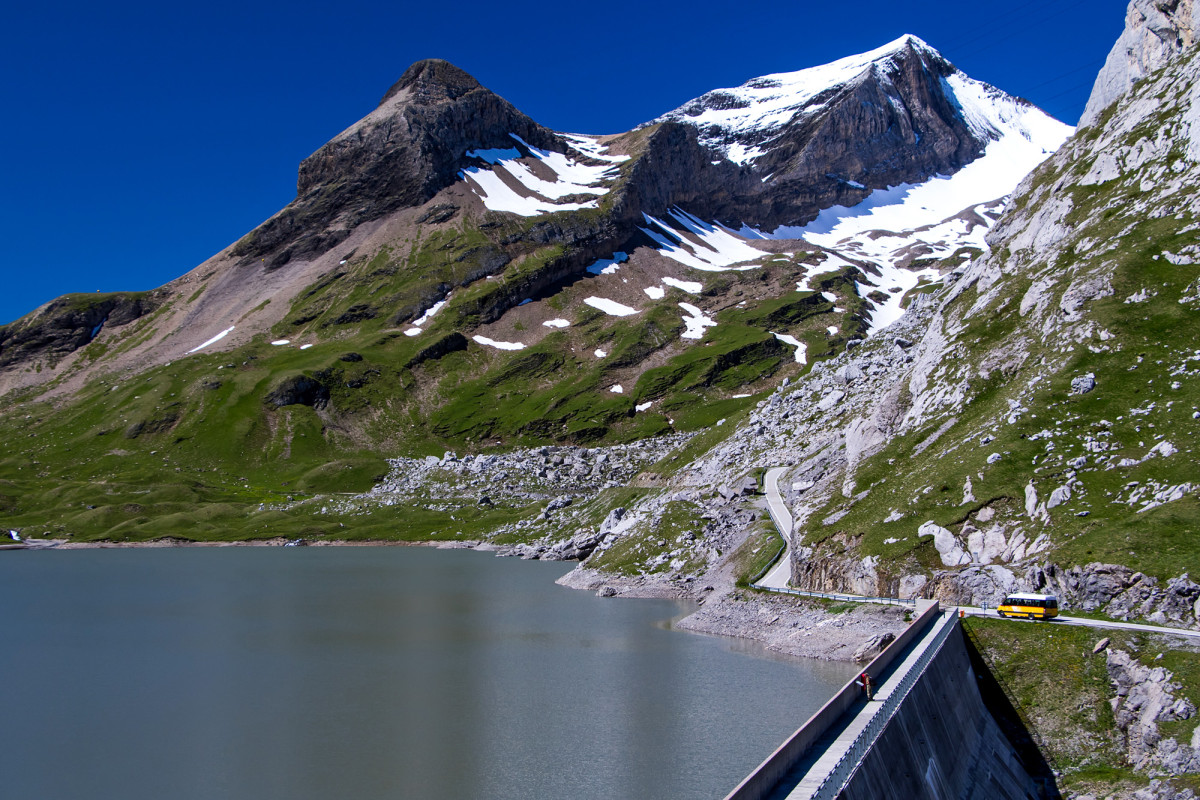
[937, 726]
[943, 742]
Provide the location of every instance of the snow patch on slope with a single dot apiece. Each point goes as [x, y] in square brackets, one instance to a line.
[832, 263]
[695, 322]
[610, 307]
[498, 345]
[591, 147]
[700, 245]
[535, 195]
[607, 266]
[801, 347]
[691, 287]
[213, 340]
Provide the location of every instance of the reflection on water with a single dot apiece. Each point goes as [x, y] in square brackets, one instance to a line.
[368, 673]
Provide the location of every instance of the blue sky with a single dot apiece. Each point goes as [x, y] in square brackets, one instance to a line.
[141, 138]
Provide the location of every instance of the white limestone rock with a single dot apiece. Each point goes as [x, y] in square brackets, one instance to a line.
[1059, 496]
[946, 543]
[987, 545]
[1031, 500]
[912, 585]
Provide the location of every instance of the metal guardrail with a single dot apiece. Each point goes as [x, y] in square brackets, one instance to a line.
[841, 773]
[846, 598]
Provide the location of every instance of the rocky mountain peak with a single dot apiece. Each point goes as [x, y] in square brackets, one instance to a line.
[433, 80]
[830, 135]
[400, 155]
[739, 121]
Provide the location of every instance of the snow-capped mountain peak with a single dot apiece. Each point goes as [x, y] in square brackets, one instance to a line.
[769, 102]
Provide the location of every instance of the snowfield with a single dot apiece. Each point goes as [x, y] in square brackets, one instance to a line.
[691, 287]
[892, 225]
[942, 215]
[832, 263]
[607, 266]
[591, 147]
[428, 315]
[801, 347]
[695, 322]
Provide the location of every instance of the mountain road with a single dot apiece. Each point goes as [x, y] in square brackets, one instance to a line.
[778, 575]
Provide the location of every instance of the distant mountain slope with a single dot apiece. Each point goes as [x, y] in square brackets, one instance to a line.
[453, 275]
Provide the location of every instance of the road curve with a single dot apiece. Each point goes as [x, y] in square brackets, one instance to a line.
[781, 572]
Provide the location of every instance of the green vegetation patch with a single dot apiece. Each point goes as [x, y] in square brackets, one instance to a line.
[759, 551]
[1062, 691]
[660, 545]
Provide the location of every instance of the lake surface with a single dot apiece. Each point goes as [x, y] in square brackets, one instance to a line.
[390, 672]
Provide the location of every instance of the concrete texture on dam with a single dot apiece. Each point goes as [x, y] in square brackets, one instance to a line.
[927, 732]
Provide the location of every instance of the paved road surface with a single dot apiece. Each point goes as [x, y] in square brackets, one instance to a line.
[972, 611]
[779, 575]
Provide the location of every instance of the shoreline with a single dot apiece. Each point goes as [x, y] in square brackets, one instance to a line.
[278, 541]
[782, 624]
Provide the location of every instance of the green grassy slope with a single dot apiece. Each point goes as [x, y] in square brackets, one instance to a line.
[1106, 286]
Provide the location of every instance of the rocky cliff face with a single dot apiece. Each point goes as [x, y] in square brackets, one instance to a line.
[1156, 32]
[68, 323]
[1146, 697]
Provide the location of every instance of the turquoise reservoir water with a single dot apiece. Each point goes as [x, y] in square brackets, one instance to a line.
[355, 673]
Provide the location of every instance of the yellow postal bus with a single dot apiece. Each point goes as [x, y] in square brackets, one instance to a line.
[1029, 606]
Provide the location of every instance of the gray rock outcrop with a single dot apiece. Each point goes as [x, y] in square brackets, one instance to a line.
[1146, 696]
[400, 155]
[64, 325]
[873, 647]
[299, 390]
